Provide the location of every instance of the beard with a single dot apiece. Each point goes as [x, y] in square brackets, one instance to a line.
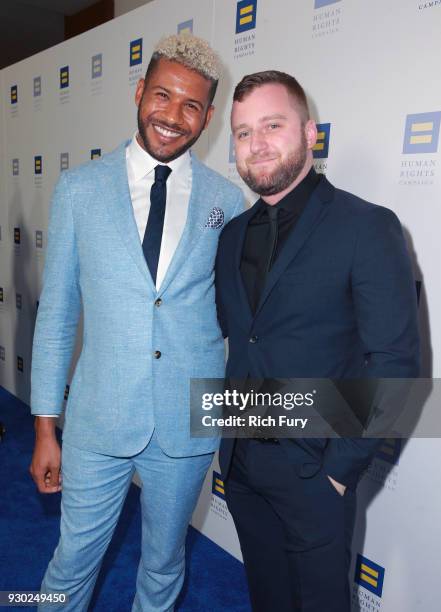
[156, 153]
[281, 177]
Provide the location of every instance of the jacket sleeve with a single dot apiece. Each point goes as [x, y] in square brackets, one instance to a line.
[385, 305]
[59, 308]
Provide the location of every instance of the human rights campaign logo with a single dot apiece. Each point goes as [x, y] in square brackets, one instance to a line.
[37, 87]
[390, 450]
[39, 239]
[19, 363]
[321, 147]
[17, 235]
[38, 164]
[15, 167]
[369, 575]
[2, 296]
[186, 27]
[322, 3]
[64, 161]
[136, 52]
[64, 77]
[97, 66]
[18, 301]
[218, 485]
[2, 353]
[66, 392]
[246, 13]
[95, 153]
[421, 134]
[14, 94]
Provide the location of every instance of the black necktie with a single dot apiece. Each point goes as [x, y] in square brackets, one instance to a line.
[270, 249]
[151, 245]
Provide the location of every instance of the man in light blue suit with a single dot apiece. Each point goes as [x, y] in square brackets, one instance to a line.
[132, 243]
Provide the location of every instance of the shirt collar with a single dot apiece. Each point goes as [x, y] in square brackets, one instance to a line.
[142, 163]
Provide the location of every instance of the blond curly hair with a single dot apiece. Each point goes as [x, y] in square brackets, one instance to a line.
[191, 51]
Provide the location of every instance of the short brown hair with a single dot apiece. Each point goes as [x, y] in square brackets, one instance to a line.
[250, 82]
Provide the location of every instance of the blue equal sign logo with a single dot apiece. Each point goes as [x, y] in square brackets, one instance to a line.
[390, 450]
[2, 296]
[39, 239]
[321, 147]
[66, 392]
[218, 485]
[136, 52]
[64, 77]
[14, 94]
[369, 575]
[64, 161]
[18, 301]
[421, 132]
[2, 353]
[321, 3]
[186, 27]
[17, 236]
[246, 13]
[15, 167]
[37, 87]
[97, 66]
[20, 364]
[38, 164]
[95, 153]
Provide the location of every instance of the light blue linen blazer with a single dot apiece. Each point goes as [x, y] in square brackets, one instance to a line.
[120, 392]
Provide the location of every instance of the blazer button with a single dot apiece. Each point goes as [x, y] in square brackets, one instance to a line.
[157, 354]
[158, 302]
[253, 339]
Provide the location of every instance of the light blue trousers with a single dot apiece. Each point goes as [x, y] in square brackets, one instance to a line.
[94, 489]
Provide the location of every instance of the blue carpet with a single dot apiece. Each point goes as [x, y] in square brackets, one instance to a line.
[29, 530]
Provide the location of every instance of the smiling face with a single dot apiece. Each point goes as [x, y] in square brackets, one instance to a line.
[173, 109]
[273, 144]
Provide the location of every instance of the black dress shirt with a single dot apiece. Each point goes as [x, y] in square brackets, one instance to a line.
[258, 231]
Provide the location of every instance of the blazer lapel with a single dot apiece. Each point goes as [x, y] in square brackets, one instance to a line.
[120, 207]
[311, 216]
[196, 218]
[239, 239]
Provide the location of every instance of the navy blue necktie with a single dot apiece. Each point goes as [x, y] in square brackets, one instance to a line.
[151, 245]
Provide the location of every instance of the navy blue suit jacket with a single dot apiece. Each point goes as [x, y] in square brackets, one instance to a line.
[339, 302]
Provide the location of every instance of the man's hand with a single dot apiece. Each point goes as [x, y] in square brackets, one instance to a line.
[338, 486]
[46, 461]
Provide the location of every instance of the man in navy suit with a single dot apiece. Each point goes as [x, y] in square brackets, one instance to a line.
[311, 282]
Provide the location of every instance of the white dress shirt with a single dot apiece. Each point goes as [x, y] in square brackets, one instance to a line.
[141, 176]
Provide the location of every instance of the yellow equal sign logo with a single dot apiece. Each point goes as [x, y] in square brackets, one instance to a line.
[186, 27]
[390, 450]
[321, 147]
[218, 485]
[369, 575]
[14, 94]
[136, 52]
[38, 168]
[64, 77]
[246, 15]
[421, 133]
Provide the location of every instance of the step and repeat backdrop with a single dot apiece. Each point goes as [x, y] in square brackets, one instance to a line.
[370, 70]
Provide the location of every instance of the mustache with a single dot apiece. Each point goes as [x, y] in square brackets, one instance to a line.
[259, 158]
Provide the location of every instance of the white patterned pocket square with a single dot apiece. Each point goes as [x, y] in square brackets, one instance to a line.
[216, 218]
